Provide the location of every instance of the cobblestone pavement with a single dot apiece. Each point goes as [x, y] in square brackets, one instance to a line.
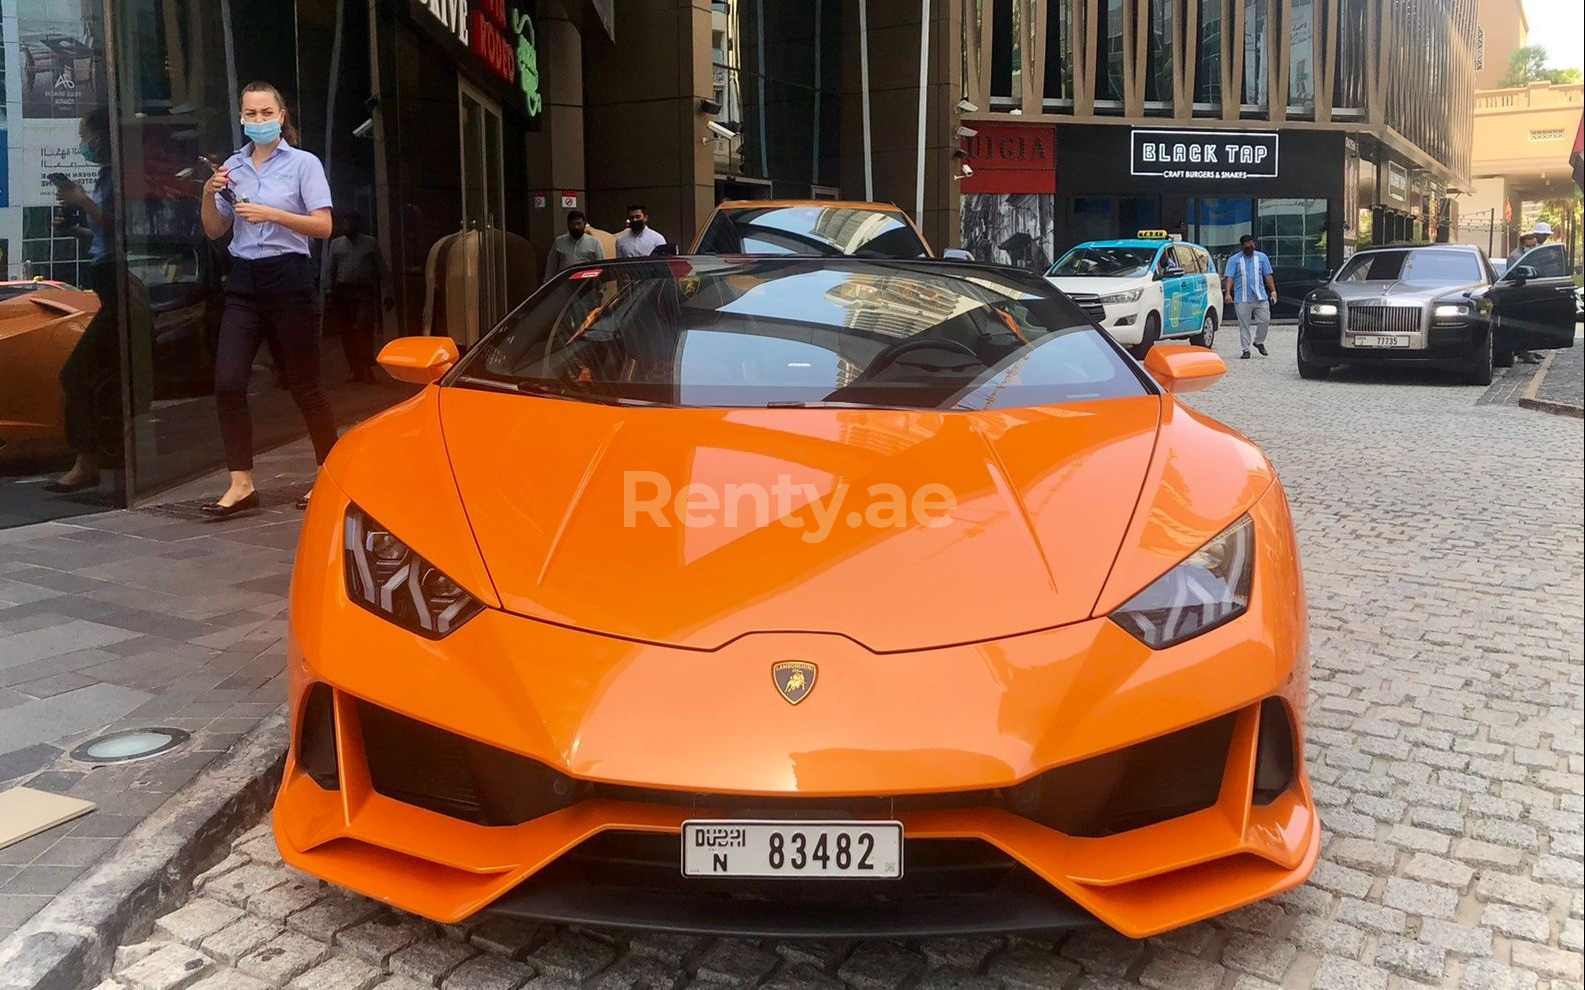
[1443, 547]
[1564, 383]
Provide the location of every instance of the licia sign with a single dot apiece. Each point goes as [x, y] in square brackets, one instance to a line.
[1204, 154]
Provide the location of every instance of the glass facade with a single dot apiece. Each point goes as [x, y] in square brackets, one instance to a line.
[1301, 59]
[1158, 54]
[1293, 233]
[1109, 74]
[1208, 60]
[1257, 54]
[777, 72]
[1059, 51]
[1353, 54]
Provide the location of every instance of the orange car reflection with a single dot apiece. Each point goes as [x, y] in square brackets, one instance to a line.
[535, 742]
[40, 323]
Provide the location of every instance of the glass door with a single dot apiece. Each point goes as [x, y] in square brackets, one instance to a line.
[483, 246]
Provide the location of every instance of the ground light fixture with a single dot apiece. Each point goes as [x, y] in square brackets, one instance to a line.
[129, 745]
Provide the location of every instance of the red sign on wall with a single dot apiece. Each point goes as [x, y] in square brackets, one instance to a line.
[1011, 158]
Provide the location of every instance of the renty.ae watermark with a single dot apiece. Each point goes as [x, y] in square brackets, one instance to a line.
[649, 495]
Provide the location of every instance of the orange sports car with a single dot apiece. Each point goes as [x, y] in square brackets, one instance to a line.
[799, 596]
[40, 323]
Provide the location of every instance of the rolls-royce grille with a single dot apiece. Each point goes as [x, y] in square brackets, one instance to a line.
[1091, 304]
[1384, 319]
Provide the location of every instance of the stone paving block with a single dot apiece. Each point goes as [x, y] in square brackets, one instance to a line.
[489, 973]
[341, 971]
[948, 978]
[126, 955]
[1258, 955]
[232, 861]
[965, 953]
[1486, 974]
[1027, 968]
[229, 979]
[510, 937]
[333, 914]
[1436, 869]
[1176, 971]
[1414, 960]
[1345, 974]
[1414, 897]
[285, 899]
[197, 920]
[430, 960]
[171, 967]
[239, 938]
[376, 939]
[245, 882]
[1549, 962]
[400, 983]
[1102, 950]
[572, 956]
[822, 954]
[283, 957]
[635, 973]
[1459, 939]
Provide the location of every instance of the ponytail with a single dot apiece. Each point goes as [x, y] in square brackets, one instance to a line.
[288, 129]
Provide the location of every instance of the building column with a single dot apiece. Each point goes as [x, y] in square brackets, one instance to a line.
[555, 154]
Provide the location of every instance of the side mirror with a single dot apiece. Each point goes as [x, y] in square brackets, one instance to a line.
[957, 254]
[1184, 369]
[1521, 274]
[419, 360]
[1171, 271]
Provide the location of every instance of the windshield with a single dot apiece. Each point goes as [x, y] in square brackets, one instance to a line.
[823, 231]
[1113, 262]
[1434, 266]
[766, 332]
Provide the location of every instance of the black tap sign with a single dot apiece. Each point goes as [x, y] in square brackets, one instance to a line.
[1205, 154]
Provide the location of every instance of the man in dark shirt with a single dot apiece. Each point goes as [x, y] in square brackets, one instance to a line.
[357, 282]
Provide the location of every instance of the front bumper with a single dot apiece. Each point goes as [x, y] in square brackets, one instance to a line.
[1446, 345]
[619, 742]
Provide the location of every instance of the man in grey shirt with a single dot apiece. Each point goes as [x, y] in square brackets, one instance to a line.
[575, 247]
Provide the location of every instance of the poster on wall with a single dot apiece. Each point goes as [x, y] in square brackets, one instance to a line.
[1010, 228]
[51, 147]
[61, 63]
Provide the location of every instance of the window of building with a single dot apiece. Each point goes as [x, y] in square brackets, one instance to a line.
[1301, 59]
[1158, 54]
[1059, 51]
[1292, 232]
[1208, 63]
[1257, 54]
[1353, 54]
[1109, 80]
[1005, 52]
[1218, 223]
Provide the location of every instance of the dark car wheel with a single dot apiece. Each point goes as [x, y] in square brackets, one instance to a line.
[1477, 367]
[1311, 370]
[1207, 335]
[1148, 338]
[1502, 359]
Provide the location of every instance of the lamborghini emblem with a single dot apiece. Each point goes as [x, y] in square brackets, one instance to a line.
[794, 679]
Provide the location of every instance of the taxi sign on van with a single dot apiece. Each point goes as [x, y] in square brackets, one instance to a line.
[1152, 235]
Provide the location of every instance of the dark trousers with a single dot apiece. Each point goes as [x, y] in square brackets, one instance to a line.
[270, 298]
[91, 375]
[356, 311]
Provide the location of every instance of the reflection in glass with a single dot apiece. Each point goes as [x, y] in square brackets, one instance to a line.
[1257, 67]
[1292, 232]
[827, 231]
[1059, 51]
[1109, 80]
[1158, 56]
[1353, 52]
[1221, 222]
[1301, 57]
[1208, 61]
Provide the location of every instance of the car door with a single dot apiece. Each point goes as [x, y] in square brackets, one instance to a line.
[1535, 313]
[1169, 269]
[1195, 292]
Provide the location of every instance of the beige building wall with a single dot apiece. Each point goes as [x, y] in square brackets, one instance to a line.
[1523, 136]
[1501, 28]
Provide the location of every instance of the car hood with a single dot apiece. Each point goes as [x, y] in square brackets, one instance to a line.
[1394, 293]
[1094, 284]
[1044, 498]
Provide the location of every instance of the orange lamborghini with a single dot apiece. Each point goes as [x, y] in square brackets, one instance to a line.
[799, 596]
[40, 323]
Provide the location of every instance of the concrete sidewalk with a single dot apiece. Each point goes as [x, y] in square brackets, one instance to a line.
[136, 619]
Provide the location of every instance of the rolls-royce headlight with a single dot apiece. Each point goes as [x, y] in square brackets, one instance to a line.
[1206, 590]
[1323, 309]
[386, 577]
[1450, 311]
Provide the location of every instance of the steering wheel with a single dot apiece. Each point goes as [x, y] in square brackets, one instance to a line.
[889, 357]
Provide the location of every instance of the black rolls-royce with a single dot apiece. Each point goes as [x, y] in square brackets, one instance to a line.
[1438, 305]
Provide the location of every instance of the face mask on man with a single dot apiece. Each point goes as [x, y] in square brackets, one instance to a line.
[89, 151]
[635, 224]
[262, 132]
[575, 231]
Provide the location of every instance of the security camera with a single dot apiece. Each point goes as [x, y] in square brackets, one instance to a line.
[364, 129]
[967, 132]
[965, 106]
[965, 170]
[709, 107]
[720, 130]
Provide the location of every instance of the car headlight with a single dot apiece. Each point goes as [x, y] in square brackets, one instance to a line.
[1445, 311]
[386, 577]
[1132, 295]
[1208, 589]
[1323, 309]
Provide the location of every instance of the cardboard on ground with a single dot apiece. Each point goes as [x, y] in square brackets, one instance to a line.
[25, 812]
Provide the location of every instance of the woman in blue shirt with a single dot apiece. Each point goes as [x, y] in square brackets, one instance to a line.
[273, 199]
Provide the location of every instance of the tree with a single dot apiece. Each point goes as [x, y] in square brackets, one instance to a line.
[1528, 64]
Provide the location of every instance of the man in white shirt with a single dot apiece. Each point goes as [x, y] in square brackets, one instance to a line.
[638, 240]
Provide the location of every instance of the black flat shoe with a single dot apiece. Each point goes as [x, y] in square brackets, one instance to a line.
[216, 511]
[60, 488]
[1244, 356]
[1262, 349]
